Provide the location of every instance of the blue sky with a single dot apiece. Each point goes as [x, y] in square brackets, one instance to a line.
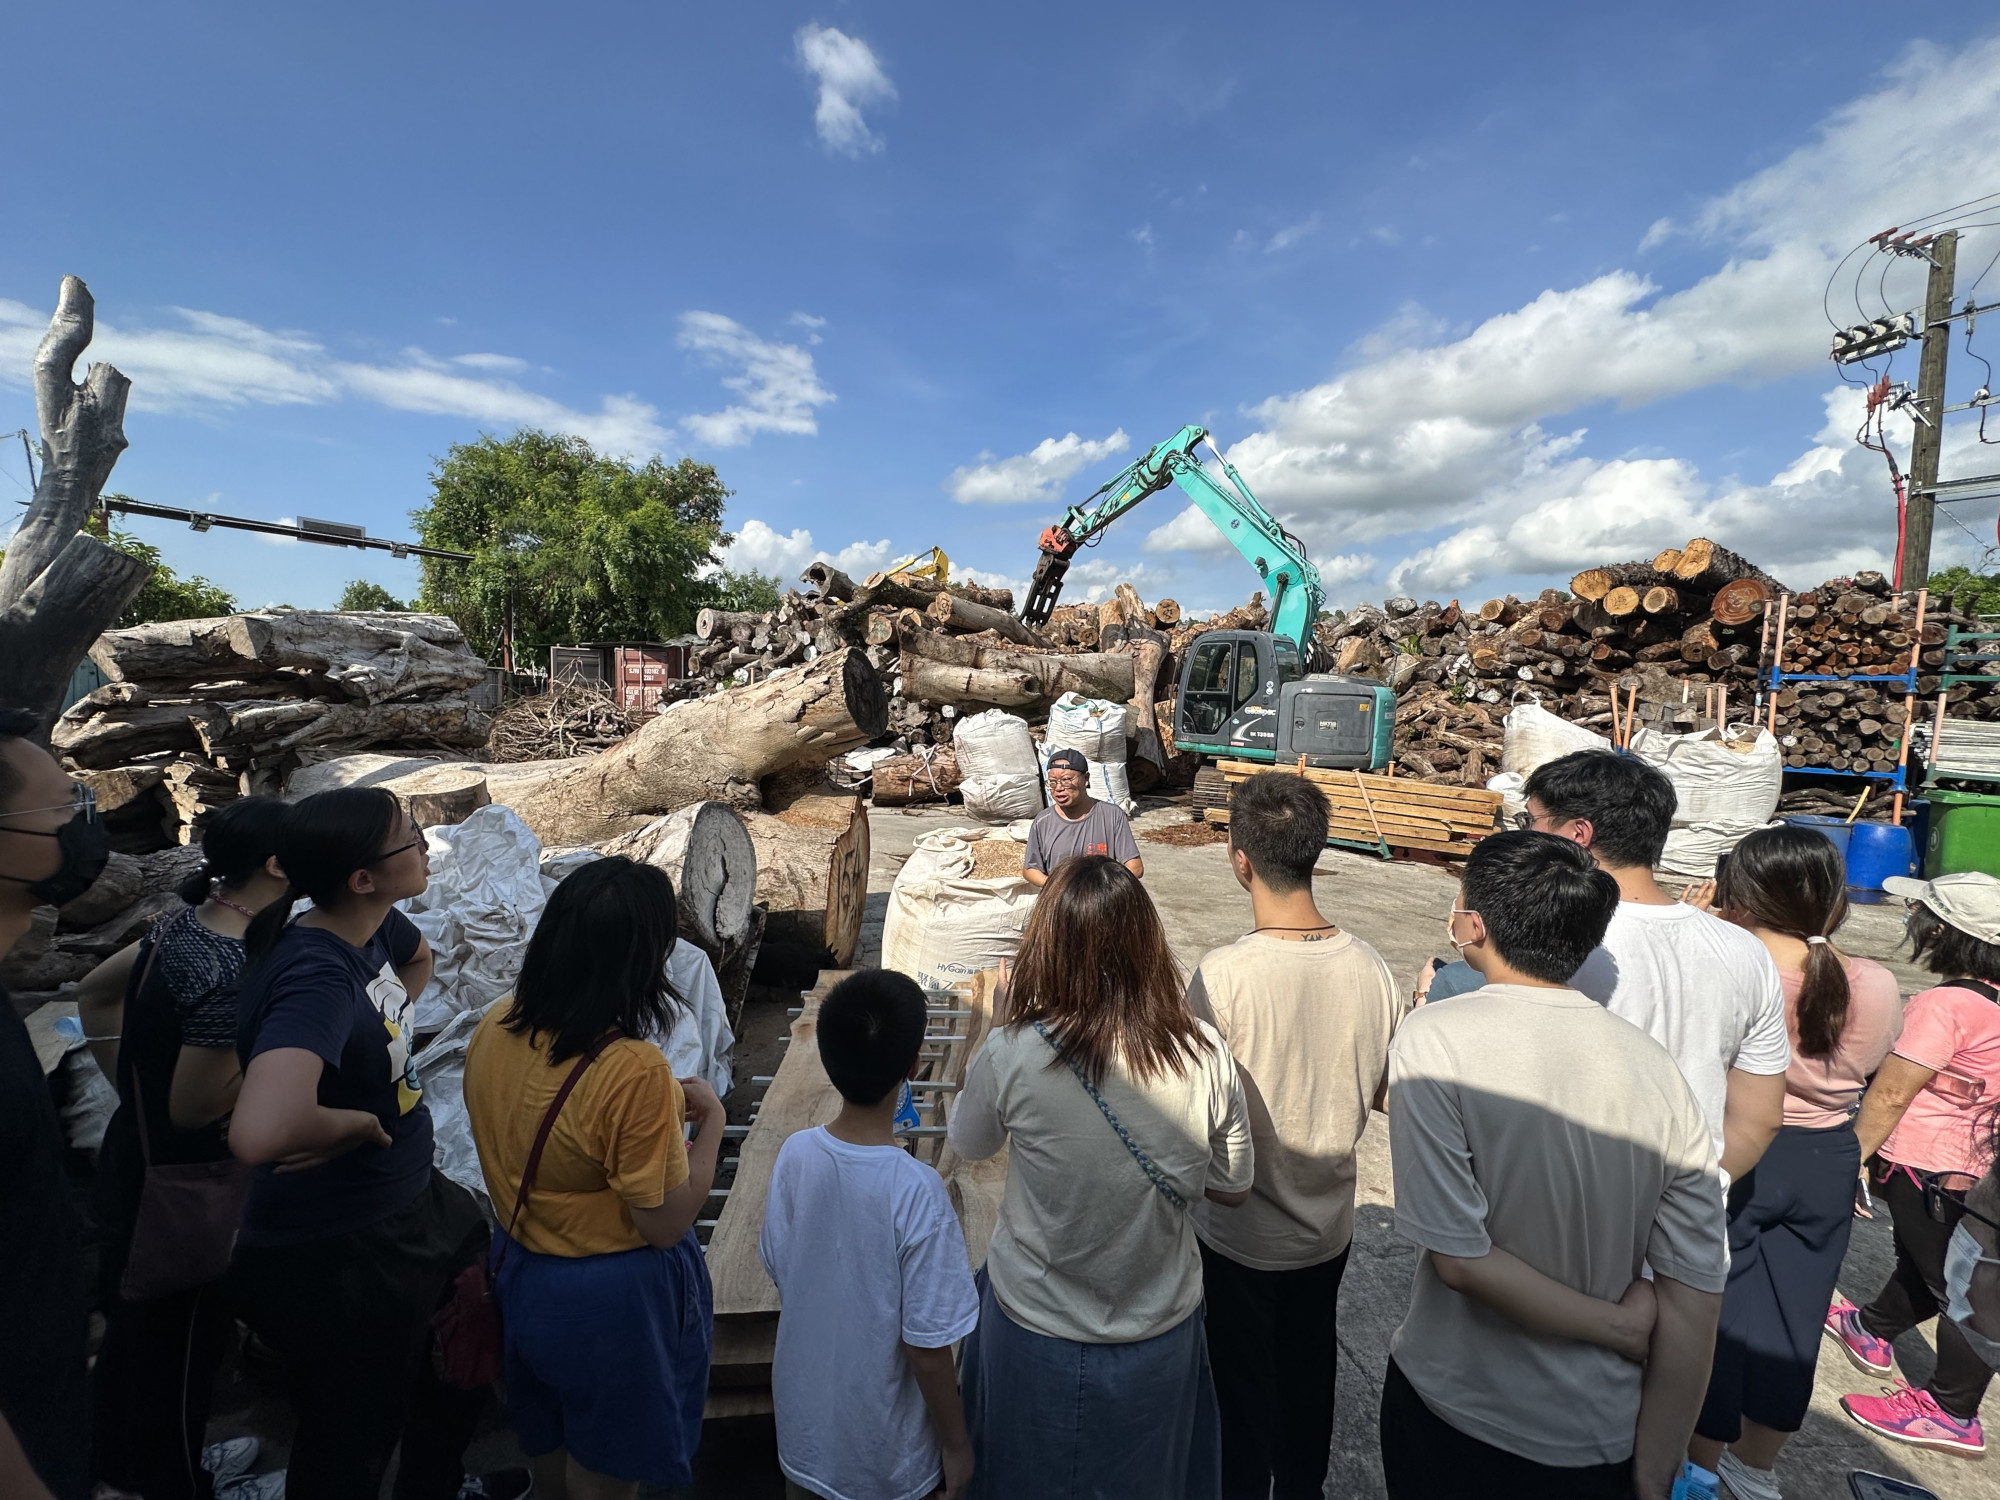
[1473, 298]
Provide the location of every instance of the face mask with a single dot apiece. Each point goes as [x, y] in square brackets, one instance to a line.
[1961, 1258]
[85, 845]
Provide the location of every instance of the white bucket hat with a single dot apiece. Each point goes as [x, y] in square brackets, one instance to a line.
[1968, 900]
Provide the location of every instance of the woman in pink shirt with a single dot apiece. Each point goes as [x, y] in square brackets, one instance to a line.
[1921, 1120]
[1790, 1216]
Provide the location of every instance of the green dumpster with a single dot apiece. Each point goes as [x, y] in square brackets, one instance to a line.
[1965, 833]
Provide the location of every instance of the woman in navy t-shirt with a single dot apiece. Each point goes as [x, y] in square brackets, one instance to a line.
[351, 1237]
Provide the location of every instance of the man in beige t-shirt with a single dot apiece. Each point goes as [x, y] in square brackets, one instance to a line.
[1307, 1011]
[1544, 1150]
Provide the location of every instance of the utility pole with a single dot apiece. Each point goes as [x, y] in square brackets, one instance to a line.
[1929, 411]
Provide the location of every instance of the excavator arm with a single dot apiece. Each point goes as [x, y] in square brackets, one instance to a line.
[1278, 556]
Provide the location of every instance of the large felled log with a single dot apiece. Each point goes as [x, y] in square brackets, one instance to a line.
[1710, 565]
[59, 588]
[120, 722]
[369, 656]
[713, 864]
[1147, 655]
[812, 869]
[961, 613]
[286, 724]
[1595, 583]
[1096, 674]
[711, 624]
[880, 586]
[716, 748]
[928, 681]
[1167, 612]
[928, 776]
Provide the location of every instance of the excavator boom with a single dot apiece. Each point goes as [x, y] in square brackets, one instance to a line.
[1278, 556]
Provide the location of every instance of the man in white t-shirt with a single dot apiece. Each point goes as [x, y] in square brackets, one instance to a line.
[1703, 988]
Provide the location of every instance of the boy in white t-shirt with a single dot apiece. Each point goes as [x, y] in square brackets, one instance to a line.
[871, 1269]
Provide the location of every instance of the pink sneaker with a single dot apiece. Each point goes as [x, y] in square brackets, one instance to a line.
[1912, 1416]
[1870, 1355]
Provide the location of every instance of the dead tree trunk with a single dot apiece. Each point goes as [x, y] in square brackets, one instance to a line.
[812, 869]
[714, 870]
[59, 588]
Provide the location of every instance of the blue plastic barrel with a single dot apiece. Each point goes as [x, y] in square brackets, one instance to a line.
[1875, 851]
[1835, 829]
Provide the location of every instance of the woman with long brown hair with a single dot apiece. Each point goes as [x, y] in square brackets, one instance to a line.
[1790, 1216]
[1088, 1373]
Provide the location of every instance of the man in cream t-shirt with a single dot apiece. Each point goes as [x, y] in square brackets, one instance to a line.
[1545, 1149]
[1307, 1011]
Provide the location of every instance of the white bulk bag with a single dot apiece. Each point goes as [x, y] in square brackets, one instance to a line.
[1096, 728]
[1535, 737]
[1727, 787]
[943, 926]
[1000, 775]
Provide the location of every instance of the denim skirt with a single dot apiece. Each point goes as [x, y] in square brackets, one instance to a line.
[1059, 1420]
[607, 1357]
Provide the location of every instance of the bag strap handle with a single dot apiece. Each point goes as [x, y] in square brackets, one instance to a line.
[1153, 1174]
[1978, 987]
[534, 1161]
[138, 1092]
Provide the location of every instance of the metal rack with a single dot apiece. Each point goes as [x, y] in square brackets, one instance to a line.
[1774, 676]
[1972, 751]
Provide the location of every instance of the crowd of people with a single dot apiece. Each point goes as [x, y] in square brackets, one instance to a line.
[1629, 1135]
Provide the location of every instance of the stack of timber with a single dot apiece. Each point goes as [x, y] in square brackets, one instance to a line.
[1385, 812]
[64, 944]
[799, 1097]
[199, 712]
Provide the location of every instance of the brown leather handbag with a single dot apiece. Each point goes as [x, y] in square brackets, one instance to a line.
[471, 1344]
[189, 1213]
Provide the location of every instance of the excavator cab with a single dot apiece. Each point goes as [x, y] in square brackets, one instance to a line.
[1245, 695]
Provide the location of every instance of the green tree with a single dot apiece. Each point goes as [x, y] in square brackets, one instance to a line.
[751, 591]
[585, 547]
[361, 594]
[167, 595]
[1970, 592]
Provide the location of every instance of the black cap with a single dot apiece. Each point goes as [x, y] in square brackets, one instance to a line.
[1071, 760]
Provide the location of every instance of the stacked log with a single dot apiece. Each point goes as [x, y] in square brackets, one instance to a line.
[199, 712]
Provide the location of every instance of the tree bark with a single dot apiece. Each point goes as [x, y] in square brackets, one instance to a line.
[58, 588]
[712, 624]
[961, 613]
[716, 748]
[370, 657]
[928, 681]
[713, 865]
[916, 593]
[1702, 561]
[1094, 674]
[909, 779]
[812, 870]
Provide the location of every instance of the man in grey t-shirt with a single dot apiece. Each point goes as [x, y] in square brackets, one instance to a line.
[1077, 824]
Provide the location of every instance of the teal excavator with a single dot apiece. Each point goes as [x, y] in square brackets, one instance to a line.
[1244, 694]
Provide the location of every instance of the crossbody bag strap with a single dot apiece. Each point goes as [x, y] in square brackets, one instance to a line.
[138, 1092]
[1153, 1174]
[1978, 987]
[534, 1161]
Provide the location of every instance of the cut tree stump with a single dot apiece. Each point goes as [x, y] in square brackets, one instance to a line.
[713, 865]
[446, 796]
[717, 748]
[812, 851]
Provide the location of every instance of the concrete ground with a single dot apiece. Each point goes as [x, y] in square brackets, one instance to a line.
[1400, 909]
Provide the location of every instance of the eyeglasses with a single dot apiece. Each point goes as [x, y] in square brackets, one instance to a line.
[416, 843]
[1944, 1197]
[82, 802]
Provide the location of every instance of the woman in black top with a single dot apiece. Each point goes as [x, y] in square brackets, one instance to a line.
[170, 1002]
[351, 1237]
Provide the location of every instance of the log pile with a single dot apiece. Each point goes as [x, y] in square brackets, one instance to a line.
[199, 712]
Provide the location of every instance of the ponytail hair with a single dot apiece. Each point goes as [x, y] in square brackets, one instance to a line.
[323, 840]
[238, 839]
[1792, 880]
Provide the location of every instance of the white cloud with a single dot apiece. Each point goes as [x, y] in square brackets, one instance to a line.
[762, 547]
[1290, 235]
[208, 361]
[1038, 474]
[851, 79]
[779, 387]
[1190, 531]
[1462, 436]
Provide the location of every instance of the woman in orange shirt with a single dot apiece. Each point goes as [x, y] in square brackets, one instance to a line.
[601, 1284]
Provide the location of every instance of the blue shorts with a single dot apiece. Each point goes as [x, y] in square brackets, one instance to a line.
[607, 1357]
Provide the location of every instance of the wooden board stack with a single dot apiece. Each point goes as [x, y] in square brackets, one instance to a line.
[1390, 812]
